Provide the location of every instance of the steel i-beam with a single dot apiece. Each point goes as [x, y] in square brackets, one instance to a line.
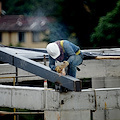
[38, 69]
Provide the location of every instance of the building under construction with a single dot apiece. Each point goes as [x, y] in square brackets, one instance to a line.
[93, 95]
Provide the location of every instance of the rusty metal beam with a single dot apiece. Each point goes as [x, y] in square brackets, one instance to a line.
[19, 113]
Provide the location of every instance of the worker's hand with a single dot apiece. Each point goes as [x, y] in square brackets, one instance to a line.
[59, 69]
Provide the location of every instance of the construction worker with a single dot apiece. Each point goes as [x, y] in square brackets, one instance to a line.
[66, 52]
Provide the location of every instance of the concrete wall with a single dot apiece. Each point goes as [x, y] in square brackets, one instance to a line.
[64, 106]
[99, 68]
[34, 98]
[67, 115]
[104, 74]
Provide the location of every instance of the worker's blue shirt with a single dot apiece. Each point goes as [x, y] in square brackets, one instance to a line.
[70, 50]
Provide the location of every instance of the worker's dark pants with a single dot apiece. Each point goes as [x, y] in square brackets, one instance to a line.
[72, 66]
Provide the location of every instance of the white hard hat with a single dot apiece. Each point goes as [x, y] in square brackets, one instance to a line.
[53, 50]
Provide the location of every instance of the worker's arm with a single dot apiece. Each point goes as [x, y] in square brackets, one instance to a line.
[55, 68]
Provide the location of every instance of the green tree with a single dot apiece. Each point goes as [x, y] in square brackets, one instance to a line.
[107, 33]
[17, 7]
[33, 7]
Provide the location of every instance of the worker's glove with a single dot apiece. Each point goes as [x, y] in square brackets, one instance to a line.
[61, 68]
[58, 69]
[65, 63]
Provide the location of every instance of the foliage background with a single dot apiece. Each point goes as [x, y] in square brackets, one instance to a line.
[107, 33]
[89, 22]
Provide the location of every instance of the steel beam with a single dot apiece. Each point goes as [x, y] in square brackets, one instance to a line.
[38, 69]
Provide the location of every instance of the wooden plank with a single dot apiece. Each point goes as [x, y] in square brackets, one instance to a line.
[107, 57]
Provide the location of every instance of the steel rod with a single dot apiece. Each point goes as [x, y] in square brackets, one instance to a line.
[19, 113]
